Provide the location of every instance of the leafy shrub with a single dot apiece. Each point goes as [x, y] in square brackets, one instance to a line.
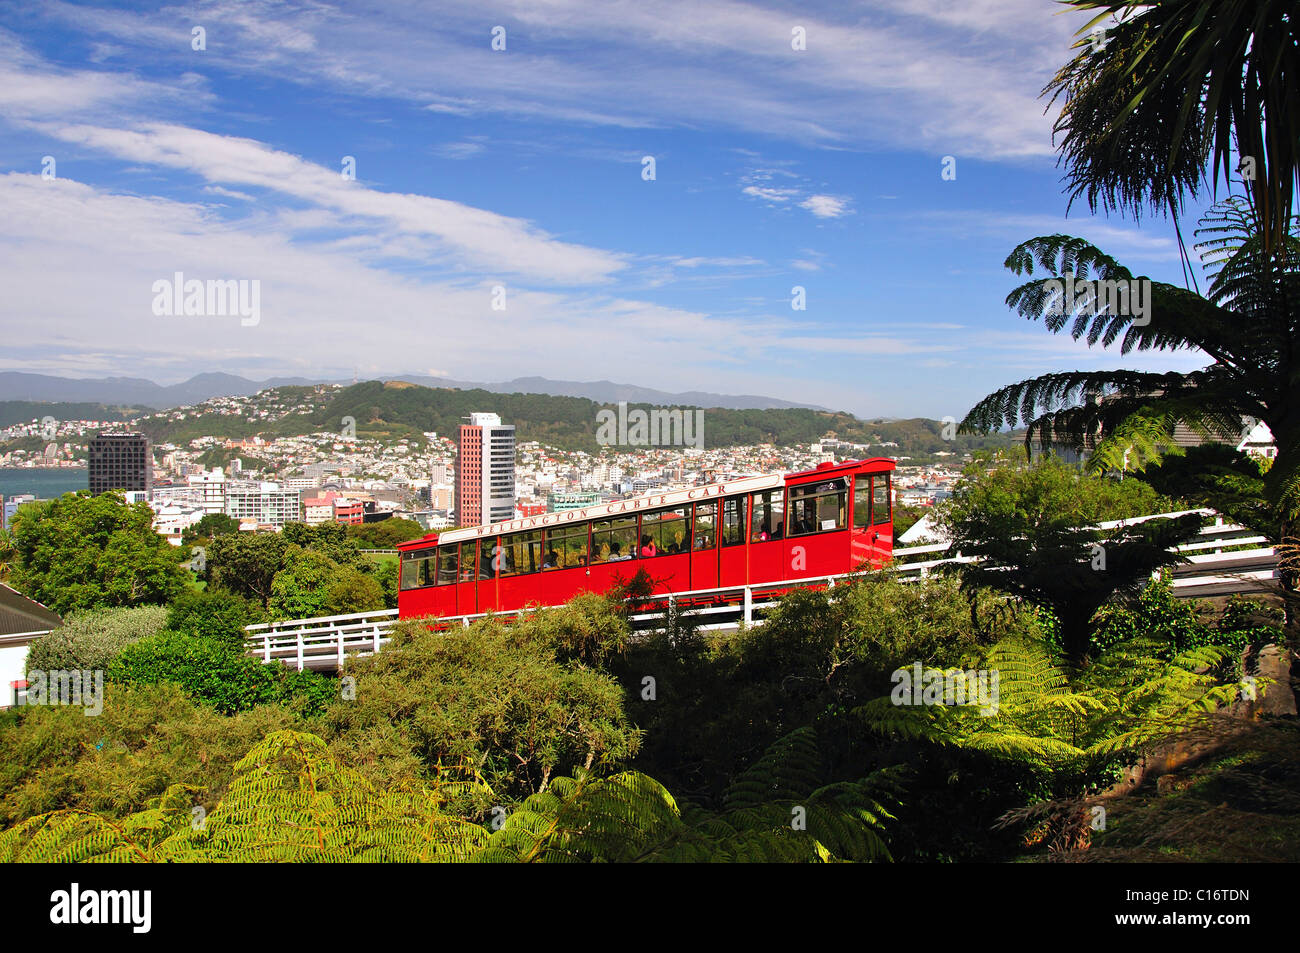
[1176, 625]
[495, 697]
[590, 629]
[146, 737]
[222, 676]
[214, 614]
[90, 640]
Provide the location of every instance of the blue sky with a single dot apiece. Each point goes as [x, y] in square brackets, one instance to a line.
[522, 168]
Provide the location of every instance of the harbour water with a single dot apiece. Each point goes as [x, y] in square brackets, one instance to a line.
[44, 483]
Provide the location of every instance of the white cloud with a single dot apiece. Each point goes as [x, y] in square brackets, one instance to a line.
[79, 263]
[483, 239]
[826, 206]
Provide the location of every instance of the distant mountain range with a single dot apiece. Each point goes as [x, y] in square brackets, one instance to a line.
[138, 392]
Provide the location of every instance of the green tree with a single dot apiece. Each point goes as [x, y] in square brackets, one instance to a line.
[6, 554]
[246, 564]
[301, 589]
[330, 539]
[1179, 86]
[211, 526]
[355, 591]
[386, 534]
[90, 552]
[313, 584]
[1032, 533]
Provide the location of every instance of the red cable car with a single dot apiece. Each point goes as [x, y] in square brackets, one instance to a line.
[754, 531]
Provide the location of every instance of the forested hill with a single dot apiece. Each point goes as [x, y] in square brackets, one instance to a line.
[23, 411]
[395, 409]
[567, 422]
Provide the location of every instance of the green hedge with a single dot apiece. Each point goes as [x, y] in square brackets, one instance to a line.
[219, 674]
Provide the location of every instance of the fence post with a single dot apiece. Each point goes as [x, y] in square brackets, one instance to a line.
[749, 605]
[300, 662]
[340, 633]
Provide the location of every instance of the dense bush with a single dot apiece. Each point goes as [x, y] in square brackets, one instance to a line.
[498, 698]
[219, 674]
[719, 701]
[146, 737]
[91, 640]
[214, 614]
[608, 817]
[1177, 625]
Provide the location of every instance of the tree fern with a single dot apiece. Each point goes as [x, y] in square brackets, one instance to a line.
[1075, 728]
[290, 801]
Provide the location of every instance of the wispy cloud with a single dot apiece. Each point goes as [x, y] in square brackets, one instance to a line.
[485, 239]
[903, 74]
[465, 149]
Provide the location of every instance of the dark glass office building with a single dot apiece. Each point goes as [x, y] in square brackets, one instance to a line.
[120, 461]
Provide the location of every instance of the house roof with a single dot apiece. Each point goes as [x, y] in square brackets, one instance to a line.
[20, 614]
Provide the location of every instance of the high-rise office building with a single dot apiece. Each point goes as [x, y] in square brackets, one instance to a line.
[485, 471]
[119, 461]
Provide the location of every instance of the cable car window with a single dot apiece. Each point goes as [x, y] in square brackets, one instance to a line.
[861, 501]
[467, 561]
[767, 522]
[613, 540]
[733, 521]
[417, 569]
[880, 508]
[566, 547]
[447, 564]
[664, 532]
[706, 519]
[818, 507]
